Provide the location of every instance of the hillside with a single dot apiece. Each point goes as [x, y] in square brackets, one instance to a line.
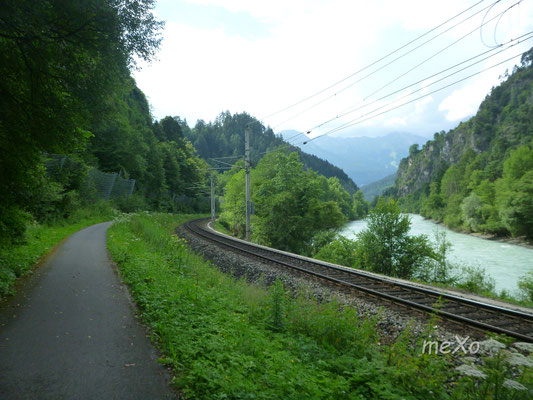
[365, 159]
[479, 176]
[378, 187]
[225, 138]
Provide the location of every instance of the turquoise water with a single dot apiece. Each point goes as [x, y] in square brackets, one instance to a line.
[506, 263]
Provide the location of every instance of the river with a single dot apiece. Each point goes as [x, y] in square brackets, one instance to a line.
[506, 263]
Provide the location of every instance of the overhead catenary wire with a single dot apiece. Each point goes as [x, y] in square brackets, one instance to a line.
[368, 115]
[441, 50]
[511, 43]
[373, 63]
[397, 50]
[385, 65]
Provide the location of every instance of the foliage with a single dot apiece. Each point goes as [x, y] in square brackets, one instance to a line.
[526, 286]
[340, 251]
[277, 307]
[59, 62]
[155, 154]
[385, 246]
[436, 268]
[479, 176]
[504, 374]
[360, 206]
[476, 280]
[217, 335]
[291, 204]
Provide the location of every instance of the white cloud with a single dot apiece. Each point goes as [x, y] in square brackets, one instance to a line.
[464, 102]
[203, 71]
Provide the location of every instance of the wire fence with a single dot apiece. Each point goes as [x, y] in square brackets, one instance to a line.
[107, 185]
[98, 185]
[110, 185]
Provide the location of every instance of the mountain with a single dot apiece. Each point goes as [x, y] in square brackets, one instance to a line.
[377, 188]
[479, 176]
[365, 159]
[225, 138]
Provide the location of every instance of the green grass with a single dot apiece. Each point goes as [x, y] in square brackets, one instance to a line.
[226, 339]
[221, 228]
[18, 260]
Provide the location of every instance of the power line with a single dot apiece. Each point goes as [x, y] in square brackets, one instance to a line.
[351, 109]
[359, 120]
[373, 63]
[441, 51]
[225, 158]
[393, 61]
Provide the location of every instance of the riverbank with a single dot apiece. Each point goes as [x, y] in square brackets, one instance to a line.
[518, 241]
[503, 260]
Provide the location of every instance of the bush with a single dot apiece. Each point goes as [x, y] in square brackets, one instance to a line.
[526, 286]
[437, 268]
[130, 204]
[476, 280]
[385, 246]
[13, 222]
[340, 251]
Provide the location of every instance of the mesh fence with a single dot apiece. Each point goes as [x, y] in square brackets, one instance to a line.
[106, 184]
[110, 185]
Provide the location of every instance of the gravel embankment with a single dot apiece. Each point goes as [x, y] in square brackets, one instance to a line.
[392, 318]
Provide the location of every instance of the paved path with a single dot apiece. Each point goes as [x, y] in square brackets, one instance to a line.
[70, 332]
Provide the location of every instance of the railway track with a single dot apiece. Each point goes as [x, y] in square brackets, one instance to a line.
[479, 315]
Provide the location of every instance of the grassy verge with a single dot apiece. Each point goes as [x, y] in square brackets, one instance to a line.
[17, 260]
[227, 339]
[221, 228]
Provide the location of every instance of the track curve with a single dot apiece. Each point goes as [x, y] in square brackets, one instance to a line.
[484, 316]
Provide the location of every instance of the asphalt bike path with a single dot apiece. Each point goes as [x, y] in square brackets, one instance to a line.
[70, 332]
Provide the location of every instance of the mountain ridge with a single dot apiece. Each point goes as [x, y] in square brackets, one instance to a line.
[365, 159]
[479, 176]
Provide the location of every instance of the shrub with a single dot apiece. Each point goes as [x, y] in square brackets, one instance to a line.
[476, 280]
[526, 286]
[130, 204]
[385, 246]
[340, 251]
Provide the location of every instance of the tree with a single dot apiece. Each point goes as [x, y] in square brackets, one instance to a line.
[289, 203]
[514, 192]
[339, 195]
[385, 245]
[472, 216]
[59, 62]
[360, 206]
[289, 209]
[171, 129]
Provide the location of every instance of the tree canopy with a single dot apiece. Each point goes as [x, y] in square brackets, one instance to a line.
[477, 177]
[292, 204]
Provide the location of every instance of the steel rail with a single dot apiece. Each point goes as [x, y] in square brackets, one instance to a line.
[514, 317]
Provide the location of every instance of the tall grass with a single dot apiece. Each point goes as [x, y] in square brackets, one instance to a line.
[228, 339]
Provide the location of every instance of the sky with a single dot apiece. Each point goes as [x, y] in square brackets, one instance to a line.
[310, 65]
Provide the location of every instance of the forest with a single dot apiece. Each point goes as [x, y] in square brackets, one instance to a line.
[67, 91]
[479, 176]
[225, 138]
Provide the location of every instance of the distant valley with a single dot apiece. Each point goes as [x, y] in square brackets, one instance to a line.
[364, 159]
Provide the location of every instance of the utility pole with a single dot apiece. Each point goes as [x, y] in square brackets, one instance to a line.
[212, 200]
[247, 169]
